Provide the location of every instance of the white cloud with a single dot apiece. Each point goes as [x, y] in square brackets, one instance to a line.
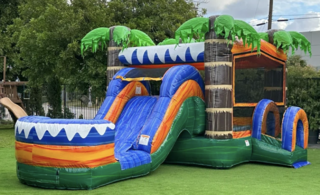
[251, 10]
[300, 25]
[308, 2]
[305, 25]
[213, 6]
[263, 28]
[280, 25]
[239, 9]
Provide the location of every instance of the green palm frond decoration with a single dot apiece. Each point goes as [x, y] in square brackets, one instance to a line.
[93, 38]
[247, 33]
[264, 36]
[224, 25]
[283, 40]
[194, 27]
[168, 41]
[299, 39]
[120, 35]
[139, 38]
[191, 40]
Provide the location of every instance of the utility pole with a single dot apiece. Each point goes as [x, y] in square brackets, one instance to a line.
[270, 15]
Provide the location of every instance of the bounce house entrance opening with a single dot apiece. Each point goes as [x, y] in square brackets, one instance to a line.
[271, 124]
[256, 78]
[300, 134]
[155, 87]
[153, 76]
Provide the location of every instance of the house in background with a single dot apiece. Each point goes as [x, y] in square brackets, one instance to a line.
[314, 38]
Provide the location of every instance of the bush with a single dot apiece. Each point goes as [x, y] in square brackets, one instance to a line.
[303, 89]
[54, 98]
[306, 96]
[34, 104]
[69, 114]
[5, 122]
[1, 112]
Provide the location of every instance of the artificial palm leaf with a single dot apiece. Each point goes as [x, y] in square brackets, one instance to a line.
[120, 35]
[93, 38]
[224, 26]
[168, 41]
[283, 40]
[299, 39]
[192, 40]
[195, 26]
[264, 36]
[247, 33]
[139, 38]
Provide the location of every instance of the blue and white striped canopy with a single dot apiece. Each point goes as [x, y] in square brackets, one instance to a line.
[164, 54]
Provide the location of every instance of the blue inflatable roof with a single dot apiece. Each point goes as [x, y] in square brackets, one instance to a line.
[164, 54]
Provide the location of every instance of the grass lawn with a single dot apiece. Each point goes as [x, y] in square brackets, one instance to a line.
[6, 126]
[245, 179]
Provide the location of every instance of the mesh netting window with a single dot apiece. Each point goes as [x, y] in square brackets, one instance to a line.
[256, 78]
[155, 87]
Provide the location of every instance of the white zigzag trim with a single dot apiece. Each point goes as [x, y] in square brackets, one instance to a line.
[174, 51]
[54, 129]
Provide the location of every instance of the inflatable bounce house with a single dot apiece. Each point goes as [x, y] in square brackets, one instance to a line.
[222, 102]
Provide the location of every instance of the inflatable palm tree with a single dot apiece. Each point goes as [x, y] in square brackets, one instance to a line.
[117, 38]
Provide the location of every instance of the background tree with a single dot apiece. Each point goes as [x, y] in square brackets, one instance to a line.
[158, 18]
[34, 105]
[54, 98]
[47, 34]
[44, 38]
[8, 11]
[296, 60]
[298, 68]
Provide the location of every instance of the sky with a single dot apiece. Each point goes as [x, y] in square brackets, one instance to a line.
[256, 11]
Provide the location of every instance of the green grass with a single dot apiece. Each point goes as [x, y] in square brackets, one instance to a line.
[6, 139]
[245, 179]
[6, 126]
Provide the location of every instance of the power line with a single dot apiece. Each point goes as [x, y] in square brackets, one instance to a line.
[264, 18]
[297, 14]
[303, 18]
[286, 20]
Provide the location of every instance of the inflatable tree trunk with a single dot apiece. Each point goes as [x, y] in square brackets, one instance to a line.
[114, 65]
[286, 85]
[270, 35]
[218, 85]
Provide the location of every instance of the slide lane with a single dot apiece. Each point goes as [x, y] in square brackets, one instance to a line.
[190, 118]
[179, 108]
